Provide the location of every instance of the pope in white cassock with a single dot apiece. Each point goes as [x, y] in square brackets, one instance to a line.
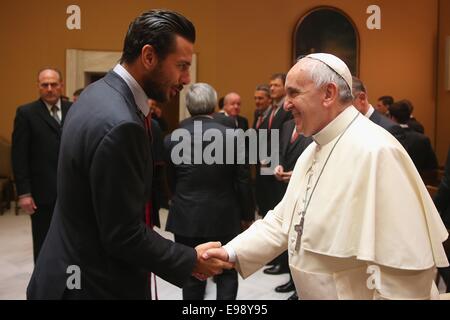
[356, 218]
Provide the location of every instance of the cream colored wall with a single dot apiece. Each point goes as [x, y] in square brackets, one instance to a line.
[240, 44]
[443, 95]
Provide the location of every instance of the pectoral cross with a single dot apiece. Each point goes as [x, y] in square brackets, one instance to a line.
[299, 229]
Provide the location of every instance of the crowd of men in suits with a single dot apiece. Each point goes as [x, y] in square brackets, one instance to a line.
[222, 198]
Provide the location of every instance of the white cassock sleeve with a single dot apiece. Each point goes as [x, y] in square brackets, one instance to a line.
[259, 244]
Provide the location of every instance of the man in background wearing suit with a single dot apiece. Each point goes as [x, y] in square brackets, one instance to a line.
[416, 144]
[98, 234]
[361, 103]
[230, 110]
[269, 191]
[35, 146]
[263, 101]
[210, 199]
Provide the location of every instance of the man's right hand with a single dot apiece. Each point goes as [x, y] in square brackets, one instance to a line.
[27, 204]
[212, 266]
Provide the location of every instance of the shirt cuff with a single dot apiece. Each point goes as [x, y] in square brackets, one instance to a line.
[231, 253]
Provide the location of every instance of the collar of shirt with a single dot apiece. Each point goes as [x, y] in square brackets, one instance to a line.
[335, 127]
[266, 112]
[278, 106]
[140, 98]
[369, 112]
[405, 126]
[49, 107]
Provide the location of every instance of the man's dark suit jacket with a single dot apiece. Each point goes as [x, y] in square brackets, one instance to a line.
[442, 197]
[225, 120]
[389, 125]
[416, 125]
[209, 200]
[290, 152]
[268, 190]
[277, 122]
[242, 122]
[104, 180]
[35, 147]
[420, 150]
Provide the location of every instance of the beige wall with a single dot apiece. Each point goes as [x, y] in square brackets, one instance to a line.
[240, 44]
[443, 95]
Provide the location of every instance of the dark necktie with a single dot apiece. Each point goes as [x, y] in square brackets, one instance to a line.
[55, 115]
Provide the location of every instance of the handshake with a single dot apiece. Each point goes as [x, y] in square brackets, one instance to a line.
[212, 258]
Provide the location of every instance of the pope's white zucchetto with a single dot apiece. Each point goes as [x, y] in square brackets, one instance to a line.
[336, 64]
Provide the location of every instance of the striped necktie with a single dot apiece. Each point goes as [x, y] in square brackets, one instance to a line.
[55, 115]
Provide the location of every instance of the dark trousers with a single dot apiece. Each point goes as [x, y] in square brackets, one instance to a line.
[445, 272]
[40, 223]
[227, 281]
[269, 193]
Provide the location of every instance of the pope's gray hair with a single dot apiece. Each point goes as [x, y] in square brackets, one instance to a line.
[321, 75]
[201, 99]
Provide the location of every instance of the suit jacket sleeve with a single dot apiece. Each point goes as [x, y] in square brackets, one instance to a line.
[259, 244]
[21, 140]
[244, 192]
[119, 195]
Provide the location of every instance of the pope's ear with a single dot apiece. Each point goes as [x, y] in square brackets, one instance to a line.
[331, 93]
[149, 57]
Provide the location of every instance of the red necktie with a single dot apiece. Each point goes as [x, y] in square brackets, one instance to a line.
[272, 114]
[148, 205]
[294, 135]
[260, 120]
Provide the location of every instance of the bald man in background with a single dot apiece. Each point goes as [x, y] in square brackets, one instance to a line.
[35, 145]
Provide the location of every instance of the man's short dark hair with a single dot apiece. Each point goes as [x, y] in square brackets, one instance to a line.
[157, 28]
[386, 100]
[357, 86]
[78, 92]
[281, 76]
[401, 111]
[221, 103]
[263, 87]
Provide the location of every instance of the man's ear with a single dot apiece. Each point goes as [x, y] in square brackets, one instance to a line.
[331, 94]
[149, 58]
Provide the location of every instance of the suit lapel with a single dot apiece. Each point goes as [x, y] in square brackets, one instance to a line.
[375, 117]
[64, 109]
[45, 115]
[117, 83]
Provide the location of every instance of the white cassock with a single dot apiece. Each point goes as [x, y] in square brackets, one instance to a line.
[371, 229]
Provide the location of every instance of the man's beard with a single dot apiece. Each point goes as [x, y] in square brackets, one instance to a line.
[154, 86]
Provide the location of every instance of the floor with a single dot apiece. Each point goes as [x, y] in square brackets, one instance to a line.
[16, 265]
